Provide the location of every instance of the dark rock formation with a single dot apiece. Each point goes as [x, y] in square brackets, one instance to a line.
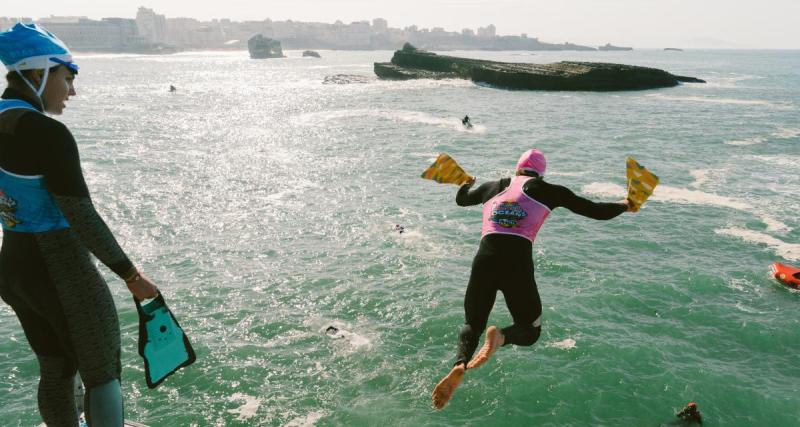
[344, 79]
[673, 49]
[261, 47]
[410, 63]
[311, 53]
[609, 46]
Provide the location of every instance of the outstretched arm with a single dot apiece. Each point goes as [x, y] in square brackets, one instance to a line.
[466, 196]
[586, 207]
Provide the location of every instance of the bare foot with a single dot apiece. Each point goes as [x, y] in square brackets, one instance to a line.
[494, 340]
[444, 390]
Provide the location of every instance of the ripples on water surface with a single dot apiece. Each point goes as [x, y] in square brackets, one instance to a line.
[263, 203]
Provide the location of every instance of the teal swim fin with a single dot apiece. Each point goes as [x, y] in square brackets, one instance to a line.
[162, 343]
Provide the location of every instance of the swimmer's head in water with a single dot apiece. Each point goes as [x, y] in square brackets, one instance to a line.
[532, 161]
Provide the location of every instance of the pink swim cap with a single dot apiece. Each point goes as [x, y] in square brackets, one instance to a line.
[532, 160]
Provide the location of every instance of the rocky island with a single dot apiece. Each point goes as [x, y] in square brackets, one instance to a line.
[311, 54]
[411, 63]
[261, 47]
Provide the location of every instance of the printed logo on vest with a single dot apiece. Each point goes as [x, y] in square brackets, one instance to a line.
[7, 208]
[507, 214]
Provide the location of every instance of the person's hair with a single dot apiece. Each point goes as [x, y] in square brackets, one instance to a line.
[14, 79]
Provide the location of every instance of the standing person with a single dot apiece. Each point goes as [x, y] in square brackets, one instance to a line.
[513, 211]
[49, 227]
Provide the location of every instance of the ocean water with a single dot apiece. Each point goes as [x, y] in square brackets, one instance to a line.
[263, 203]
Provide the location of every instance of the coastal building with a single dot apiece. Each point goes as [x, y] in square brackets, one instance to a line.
[152, 26]
[82, 33]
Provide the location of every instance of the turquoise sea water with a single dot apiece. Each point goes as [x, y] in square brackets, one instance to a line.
[263, 202]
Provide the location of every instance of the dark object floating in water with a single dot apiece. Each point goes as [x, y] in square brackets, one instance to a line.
[172, 88]
[332, 330]
[344, 79]
[609, 46]
[311, 53]
[261, 47]
[690, 414]
[675, 49]
[410, 63]
[399, 228]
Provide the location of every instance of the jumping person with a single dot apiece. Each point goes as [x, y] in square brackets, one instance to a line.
[49, 228]
[513, 211]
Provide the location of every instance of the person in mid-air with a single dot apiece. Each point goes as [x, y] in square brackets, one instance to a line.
[513, 211]
[50, 226]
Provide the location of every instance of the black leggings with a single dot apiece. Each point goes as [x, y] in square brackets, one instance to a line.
[509, 269]
[68, 316]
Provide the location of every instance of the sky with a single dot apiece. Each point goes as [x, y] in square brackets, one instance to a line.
[765, 24]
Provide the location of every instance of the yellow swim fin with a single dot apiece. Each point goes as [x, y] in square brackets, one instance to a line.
[641, 183]
[445, 170]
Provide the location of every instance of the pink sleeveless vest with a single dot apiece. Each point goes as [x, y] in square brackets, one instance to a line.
[513, 212]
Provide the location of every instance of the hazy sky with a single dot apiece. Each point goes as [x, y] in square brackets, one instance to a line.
[637, 23]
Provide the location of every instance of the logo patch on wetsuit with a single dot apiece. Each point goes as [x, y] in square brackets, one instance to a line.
[507, 214]
[7, 208]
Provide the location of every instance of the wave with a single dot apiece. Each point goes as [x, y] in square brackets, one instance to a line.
[665, 193]
[786, 133]
[453, 123]
[723, 101]
[747, 141]
[786, 250]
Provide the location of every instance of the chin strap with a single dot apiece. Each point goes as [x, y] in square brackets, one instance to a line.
[39, 91]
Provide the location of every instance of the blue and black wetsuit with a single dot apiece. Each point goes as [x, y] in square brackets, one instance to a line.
[46, 273]
[504, 262]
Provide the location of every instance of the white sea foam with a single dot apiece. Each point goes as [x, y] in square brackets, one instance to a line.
[566, 344]
[701, 176]
[309, 420]
[722, 101]
[246, 411]
[786, 250]
[747, 141]
[453, 123]
[786, 133]
[665, 193]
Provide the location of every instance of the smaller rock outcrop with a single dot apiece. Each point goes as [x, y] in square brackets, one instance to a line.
[674, 49]
[311, 54]
[261, 47]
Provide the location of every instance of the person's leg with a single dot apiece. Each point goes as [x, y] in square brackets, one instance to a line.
[91, 325]
[56, 392]
[525, 306]
[478, 302]
[522, 299]
[26, 287]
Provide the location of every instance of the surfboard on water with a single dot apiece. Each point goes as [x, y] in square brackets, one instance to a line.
[445, 170]
[641, 183]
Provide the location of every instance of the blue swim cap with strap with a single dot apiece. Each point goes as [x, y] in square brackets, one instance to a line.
[31, 47]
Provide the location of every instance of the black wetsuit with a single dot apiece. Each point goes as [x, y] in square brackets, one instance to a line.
[48, 278]
[504, 263]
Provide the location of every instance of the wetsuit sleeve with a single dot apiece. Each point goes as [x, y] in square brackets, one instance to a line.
[557, 195]
[64, 179]
[466, 196]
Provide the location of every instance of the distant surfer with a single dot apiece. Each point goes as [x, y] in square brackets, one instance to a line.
[399, 228]
[172, 88]
[50, 227]
[513, 211]
[466, 122]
